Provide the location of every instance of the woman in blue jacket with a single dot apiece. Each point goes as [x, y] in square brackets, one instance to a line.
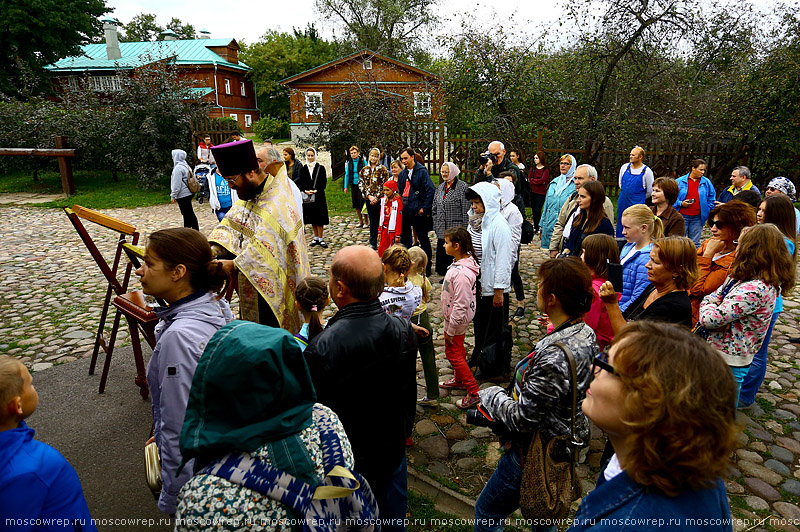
[178, 268]
[671, 447]
[558, 191]
[696, 198]
[639, 227]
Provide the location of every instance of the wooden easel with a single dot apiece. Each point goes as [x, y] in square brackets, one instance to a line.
[131, 305]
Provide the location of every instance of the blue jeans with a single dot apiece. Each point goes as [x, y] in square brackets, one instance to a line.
[500, 496]
[738, 377]
[694, 228]
[222, 212]
[393, 507]
[758, 368]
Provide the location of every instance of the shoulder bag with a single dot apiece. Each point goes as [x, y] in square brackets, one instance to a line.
[549, 483]
[311, 198]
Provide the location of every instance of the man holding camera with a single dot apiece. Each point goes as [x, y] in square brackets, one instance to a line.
[495, 162]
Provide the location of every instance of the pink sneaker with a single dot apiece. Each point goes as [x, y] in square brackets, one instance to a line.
[452, 384]
[468, 401]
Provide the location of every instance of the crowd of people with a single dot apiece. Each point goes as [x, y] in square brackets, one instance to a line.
[273, 392]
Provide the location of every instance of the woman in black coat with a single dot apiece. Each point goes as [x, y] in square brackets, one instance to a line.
[312, 180]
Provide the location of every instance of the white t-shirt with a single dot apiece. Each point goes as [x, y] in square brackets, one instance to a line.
[647, 178]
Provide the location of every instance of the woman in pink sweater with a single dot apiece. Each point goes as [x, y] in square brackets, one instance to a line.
[598, 251]
[458, 309]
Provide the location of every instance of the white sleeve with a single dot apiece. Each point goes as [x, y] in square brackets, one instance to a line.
[647, 181]
[622, 173]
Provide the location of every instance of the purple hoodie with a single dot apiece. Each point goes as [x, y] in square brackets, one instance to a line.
[458, 296]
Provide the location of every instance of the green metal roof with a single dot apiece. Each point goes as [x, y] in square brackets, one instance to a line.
[135, 54]
[199, 92]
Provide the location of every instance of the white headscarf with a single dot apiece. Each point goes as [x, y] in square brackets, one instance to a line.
[379, 157]
[454, 171]
[311, 166]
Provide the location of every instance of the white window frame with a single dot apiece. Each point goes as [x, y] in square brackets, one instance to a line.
[422, 104]
[367, 64]
[96, 83]
[248, 120]
[313, 108]
[235, 117]
[241, 88]
[227, 86]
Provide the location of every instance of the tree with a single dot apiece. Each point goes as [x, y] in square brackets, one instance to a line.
[280, 55]
[394, 28]
[35, 34]
[142, 27]
[183, 31]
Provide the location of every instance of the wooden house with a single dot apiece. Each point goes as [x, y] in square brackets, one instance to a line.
[213, 65]
[310, 92]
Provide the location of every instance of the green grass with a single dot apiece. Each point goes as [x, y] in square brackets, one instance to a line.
[93, 189]
[423, 516]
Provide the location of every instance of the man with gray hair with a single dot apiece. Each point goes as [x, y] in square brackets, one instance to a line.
[267, 155]
[499, 163]
[569, 210]
[740, 180]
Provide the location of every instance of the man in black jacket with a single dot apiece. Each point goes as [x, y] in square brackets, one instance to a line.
[416, 188]
[364, 368]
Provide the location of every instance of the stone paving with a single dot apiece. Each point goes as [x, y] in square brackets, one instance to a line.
[51, 293]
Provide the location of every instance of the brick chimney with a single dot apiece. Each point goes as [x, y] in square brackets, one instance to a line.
[112, 39]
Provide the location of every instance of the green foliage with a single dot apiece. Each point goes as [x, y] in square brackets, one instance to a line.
[280, 55]
[270, 128]
[35, 34]
[144, 27]
[389, 27]
[133, 130]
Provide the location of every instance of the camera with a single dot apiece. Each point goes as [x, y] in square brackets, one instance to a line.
[484, 158]
[479, 417]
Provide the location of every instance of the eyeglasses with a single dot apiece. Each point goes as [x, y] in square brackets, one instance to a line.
[719, 223]
[601, 362]
[566, 163]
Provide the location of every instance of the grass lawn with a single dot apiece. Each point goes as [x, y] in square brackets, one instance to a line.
[93, 189]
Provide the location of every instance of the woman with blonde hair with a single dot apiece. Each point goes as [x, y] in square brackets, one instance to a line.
[558, 191]
[370, 181]
[672, 448]
[737, 316]
[639, 227]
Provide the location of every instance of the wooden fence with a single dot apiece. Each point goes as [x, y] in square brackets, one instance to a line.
[220, 130]
[61, 151]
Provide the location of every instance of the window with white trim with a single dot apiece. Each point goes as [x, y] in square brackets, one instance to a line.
[96, 83]
[227, 86]
[422, 104]
[313, 104]
[241, 88]
[235, 118]
[367, 64]
[248, 120]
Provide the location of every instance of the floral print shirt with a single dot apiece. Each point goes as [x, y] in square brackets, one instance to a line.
[208, 502]
[738, 322]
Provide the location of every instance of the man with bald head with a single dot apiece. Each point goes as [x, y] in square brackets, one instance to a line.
[267, 155]
[364, 368]
[635, 184]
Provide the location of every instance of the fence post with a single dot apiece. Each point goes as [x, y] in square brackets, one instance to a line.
[65, 168]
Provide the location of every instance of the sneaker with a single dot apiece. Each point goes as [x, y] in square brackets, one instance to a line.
[409, 441]
[314, 243]
[427, 401]
[468, 401]
[323, 244]
[452, 384]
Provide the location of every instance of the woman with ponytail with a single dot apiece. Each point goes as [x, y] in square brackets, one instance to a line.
[178, 268]
[311, 295]
[639, 227]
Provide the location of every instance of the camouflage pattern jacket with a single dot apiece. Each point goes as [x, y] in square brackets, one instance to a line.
[542, 401]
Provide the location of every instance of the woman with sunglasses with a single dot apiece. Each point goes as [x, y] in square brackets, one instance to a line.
[715, 255]
[540, 396]
[671, 447]
[738, 314]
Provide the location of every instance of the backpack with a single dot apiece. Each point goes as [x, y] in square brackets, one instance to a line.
[343, 501]
[193, 183]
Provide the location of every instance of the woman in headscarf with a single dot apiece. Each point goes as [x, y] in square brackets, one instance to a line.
[252, 395]
[450, 207]
[312, 182]
[371, 180]
[782, 185]
[558, 191]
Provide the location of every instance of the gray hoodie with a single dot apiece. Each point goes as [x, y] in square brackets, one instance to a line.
[180, 176]
[181, 336]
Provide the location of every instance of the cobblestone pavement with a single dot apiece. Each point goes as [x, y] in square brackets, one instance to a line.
[51, 293]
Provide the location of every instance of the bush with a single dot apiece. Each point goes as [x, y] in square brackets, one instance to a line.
[269, 128]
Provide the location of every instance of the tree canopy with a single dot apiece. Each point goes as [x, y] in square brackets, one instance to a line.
[35, 34]
[144, 27]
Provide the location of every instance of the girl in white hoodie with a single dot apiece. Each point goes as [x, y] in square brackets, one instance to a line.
[400, 297]
[458, 310]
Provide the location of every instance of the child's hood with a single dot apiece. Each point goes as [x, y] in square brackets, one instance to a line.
[469, 263]
[11, 441]
[405, 289]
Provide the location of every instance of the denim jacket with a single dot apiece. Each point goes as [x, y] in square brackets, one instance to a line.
[621, 505]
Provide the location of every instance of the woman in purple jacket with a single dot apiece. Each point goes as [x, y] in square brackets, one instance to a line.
[178, 269]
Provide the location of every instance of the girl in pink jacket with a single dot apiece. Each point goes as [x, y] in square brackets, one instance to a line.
[458, 308]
